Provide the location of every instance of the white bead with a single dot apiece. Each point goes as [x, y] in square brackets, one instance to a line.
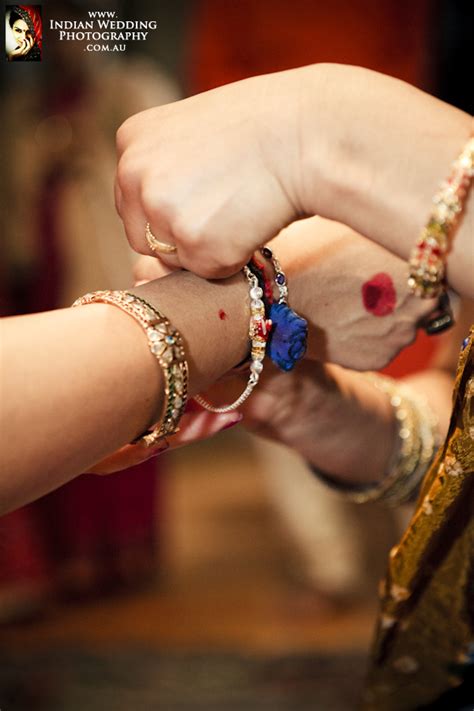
[256, 366]
[256, 292]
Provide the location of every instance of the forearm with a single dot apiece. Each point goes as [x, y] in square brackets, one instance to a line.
[361, 444]
[79, 383]
[75, 384]
[329, 416]
[374, 151]
[338, 421]
[350, 433]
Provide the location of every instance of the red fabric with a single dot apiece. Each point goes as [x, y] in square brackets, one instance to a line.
[234, 40]
[100, 520]
[34, 11]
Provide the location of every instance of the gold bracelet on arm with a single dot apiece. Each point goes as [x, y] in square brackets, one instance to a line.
[166, 345]
[427, 263]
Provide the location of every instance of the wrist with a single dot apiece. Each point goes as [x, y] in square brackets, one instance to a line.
[212, 317]
[354, 430]
[374, 150]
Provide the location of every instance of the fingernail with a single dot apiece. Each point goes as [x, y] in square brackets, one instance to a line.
[233, 423]
[162, 448]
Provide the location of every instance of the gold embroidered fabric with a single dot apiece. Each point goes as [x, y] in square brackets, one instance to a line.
[426, 622]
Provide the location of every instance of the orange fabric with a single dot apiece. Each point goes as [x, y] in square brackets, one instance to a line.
[233, 40]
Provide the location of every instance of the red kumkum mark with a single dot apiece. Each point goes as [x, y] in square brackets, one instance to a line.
[378, 295]
[222, 314]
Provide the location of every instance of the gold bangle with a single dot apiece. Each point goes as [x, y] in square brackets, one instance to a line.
[166, 345]
[418, 436]
[427, 263]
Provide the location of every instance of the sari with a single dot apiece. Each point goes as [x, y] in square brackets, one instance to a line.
[425, 630]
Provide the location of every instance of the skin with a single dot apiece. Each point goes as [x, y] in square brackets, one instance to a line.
[23, 39]
[219, 173]
[316, 406]
[93, 383]
[349, 335]
[328, 403]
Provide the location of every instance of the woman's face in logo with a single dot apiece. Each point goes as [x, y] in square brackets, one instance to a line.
[20, 32]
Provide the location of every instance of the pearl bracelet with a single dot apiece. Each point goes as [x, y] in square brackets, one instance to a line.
[259, 330]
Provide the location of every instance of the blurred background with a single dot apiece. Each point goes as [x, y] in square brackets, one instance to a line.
[221, 576]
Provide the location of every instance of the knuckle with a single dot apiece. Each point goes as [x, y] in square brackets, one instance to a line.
[127, 174]
[201, 257]
[203, 252]
[188, 231]
[124, 134]
[199, 266]
[159, 206]
[137, 243]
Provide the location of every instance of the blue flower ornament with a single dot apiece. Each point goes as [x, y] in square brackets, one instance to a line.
[288, 339]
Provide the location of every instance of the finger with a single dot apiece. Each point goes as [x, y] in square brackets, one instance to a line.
[148, 268]
[160, 241]
[196, 426]
[203, 250]
[118, 197]
[193, 428]
[128, 203]
[128, 456]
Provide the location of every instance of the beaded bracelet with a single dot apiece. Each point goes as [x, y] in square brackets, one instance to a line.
[264, 282]
[166, 345]
[259, 330]
[418, 440]
[288, 340]
[427, 263]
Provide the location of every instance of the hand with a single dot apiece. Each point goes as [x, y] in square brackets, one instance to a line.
[206, 173]
[22, 49]
[352, 292]
[312, 410]
[218, 174]
[196, 424]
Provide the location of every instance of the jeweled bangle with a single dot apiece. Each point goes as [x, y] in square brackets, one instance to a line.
[418, 440]
[288, 341]
[259, 330]
[427, 263]
[166, 345]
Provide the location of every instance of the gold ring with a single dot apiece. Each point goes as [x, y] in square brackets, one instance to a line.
[156, 245]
